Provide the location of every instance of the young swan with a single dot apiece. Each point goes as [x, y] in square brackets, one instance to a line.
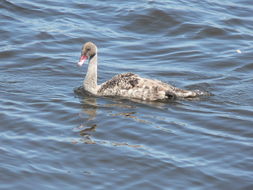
[128, 85]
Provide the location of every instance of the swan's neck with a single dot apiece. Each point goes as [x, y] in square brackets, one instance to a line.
[90, 81]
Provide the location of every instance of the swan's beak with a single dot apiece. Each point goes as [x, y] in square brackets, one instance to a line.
[83, 58]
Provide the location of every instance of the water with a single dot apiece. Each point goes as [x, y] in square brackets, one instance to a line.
[53, 139]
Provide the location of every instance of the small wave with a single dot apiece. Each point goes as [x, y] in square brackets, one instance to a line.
[149, 21]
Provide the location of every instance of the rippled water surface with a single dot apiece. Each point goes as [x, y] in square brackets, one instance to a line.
[52, 139]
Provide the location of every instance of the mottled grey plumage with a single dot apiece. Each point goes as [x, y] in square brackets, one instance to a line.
[133, 86]
[128, 84]
[124, 81]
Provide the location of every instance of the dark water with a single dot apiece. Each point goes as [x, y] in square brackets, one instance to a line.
[52, 139]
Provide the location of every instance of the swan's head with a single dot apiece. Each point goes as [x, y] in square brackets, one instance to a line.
[89, 50]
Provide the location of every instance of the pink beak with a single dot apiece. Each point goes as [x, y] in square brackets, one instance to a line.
[83, 58]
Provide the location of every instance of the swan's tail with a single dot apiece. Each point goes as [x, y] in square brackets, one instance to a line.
[202, 93]
[179, 93]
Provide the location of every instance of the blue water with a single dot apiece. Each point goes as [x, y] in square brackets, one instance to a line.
[52, 139]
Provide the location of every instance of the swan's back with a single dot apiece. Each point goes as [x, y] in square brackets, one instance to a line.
[132, 86]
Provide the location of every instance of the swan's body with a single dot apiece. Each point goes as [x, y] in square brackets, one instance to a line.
[128, 84]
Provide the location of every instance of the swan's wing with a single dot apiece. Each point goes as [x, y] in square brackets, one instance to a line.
[132, 86]
[123, 81]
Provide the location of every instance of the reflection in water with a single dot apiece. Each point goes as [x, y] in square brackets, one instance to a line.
[130, 115]
[90, 108]
[89, 105]
[87, 130]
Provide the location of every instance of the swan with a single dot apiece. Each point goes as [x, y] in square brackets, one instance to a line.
[128, 85]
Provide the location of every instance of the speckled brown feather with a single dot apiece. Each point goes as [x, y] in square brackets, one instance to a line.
[132, 86]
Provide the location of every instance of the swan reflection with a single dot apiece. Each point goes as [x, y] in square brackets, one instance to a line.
[90, 116]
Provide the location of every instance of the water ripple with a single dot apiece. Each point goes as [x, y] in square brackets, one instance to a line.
[56, 136]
